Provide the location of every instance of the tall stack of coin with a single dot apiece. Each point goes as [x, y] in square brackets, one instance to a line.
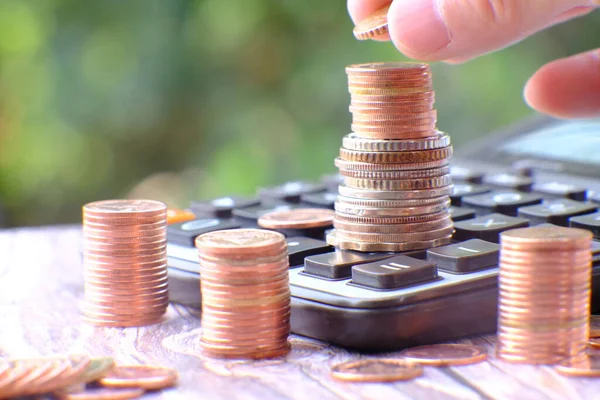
[245, 293]
[544, 284]
[396, 178]
[125, 262]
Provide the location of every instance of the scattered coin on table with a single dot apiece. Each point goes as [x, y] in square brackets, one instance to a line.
[103, 394]
[147, 377]
[445, 354]
[376, 370]
[586, 366]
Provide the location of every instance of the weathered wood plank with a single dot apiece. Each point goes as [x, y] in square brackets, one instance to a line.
[41, 291]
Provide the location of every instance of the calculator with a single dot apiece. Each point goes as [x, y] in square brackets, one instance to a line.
[541, 171]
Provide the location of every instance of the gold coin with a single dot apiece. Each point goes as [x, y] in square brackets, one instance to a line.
[375, 24]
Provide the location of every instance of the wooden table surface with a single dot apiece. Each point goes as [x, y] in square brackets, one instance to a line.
[41, 290]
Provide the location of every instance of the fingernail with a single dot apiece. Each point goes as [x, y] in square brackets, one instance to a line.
[419, 26]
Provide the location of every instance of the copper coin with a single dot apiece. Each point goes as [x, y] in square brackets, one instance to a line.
[594, 326]
[243, 242]
[277, 255]
[587, 366]
[382, 107]
[389, 68]
[445, 354]
[233, 353]
[147, 377]
[376, 370]
[97, 368]
[125, 207]
[123, 322]
[594, 342]
[544, 238]
[394, 134]
[103, 394]
[300, 218]
[375, 24]
[364, 118]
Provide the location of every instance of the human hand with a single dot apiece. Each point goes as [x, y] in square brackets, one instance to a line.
[458, 30]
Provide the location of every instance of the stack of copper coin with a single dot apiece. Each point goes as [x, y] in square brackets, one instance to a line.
[396, 178]
[125, 262]
[544, 284]
[245, 293]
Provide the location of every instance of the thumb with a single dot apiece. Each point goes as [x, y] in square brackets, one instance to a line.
[443, 29]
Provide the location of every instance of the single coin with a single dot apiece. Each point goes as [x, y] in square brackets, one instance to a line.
[396, 175]
[368, 166]
[393, 118]
[376, 370]
[124, 207]
[594, 342]
[394, 194]
[546, 238]
[396, 157]
[386, 220]
[345, 244]
[102, 394]
[375, 24]
[97, 368]
[141, 376]
[594, 326]
[299, 218]
[435, 182]
[587, 365]
[354, 142]
[389, 68]
[445, 354]
[242, 242]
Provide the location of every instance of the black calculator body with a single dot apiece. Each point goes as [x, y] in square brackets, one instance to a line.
[540, 171]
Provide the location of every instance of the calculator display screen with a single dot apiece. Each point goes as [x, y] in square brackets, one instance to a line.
[568, 141]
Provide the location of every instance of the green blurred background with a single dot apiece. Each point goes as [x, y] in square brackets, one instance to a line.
[191, 99]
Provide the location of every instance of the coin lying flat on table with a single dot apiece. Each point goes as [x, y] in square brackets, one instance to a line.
[445, 354]
[376, 370]
[373, 25]
[147, 377]
[586, 365]
[299, 218]
[103, 394]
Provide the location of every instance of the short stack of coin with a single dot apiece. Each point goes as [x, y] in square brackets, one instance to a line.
[125, 262]
[245, 293]
[544, 294]
[395, 194]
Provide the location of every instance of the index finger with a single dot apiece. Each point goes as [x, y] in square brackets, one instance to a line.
[360, 9]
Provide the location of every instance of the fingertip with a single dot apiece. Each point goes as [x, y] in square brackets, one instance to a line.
[567, 88]
[360, 9]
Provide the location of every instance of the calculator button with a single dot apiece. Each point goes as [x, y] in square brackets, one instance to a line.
[461, 213]
[590, 222]
[556, 212]
[465, 189]
[291, 191]
[393, 273]
[503, 202]
[509, 181]
[300, 247]
[558, 189]
[464, 174]
[222, 207]
[595, 253]
[175, 216]
[338, 264]
[468, 256]
[332, 182]
[252, 214]
[487, 227]
[184, 233]
[323, 199]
